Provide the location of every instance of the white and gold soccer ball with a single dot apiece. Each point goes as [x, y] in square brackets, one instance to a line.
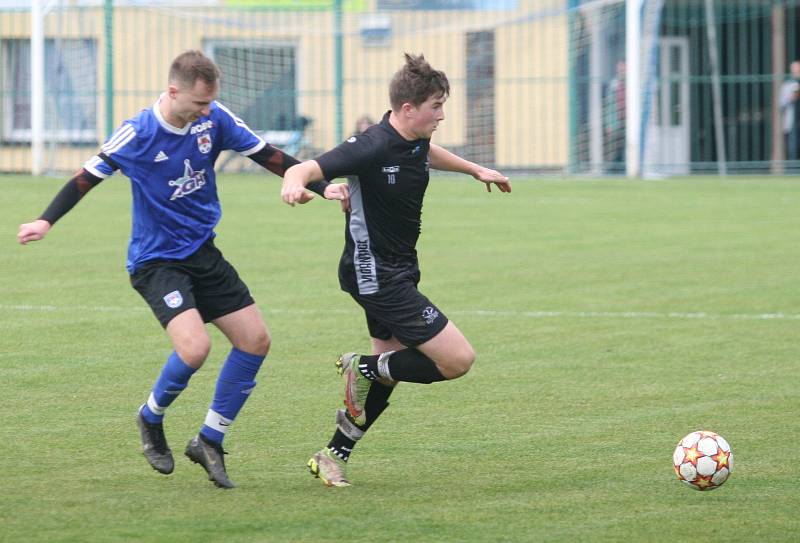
[703, 460]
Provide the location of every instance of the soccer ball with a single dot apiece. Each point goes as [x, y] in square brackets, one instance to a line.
[703, 460]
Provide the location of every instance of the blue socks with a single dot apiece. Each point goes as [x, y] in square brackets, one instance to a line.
[234, 385]
[173, 380]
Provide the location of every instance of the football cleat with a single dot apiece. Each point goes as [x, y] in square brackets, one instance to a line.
[328, 468]
[212, 457]
[154, 446]
[356, 387]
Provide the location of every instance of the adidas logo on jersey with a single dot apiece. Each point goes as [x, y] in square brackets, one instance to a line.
[161, 157]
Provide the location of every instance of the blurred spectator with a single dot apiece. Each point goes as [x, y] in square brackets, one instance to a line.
[790, 93]
[363, 122]
[614, 120]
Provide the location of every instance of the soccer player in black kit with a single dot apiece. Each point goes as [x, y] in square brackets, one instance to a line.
[412, 339]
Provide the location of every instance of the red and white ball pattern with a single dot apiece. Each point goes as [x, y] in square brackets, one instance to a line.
[703, 460]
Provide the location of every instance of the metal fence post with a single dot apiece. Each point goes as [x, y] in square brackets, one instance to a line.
[339, 49]
[37, 87]
[108, 11]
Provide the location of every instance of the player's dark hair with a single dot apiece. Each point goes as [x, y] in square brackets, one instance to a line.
[415, 82]
[192, 65]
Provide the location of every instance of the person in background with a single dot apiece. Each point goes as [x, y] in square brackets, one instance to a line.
[790, 112]
[614, 120]
[362, 123]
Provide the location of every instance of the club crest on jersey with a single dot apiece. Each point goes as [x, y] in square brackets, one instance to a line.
[429, 314]
[204, 143]
[190, 182]
[173, 299]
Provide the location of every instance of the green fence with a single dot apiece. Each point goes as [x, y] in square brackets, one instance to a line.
[686, 126]
[538, 85]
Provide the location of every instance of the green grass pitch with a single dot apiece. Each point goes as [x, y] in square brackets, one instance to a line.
[610, 319]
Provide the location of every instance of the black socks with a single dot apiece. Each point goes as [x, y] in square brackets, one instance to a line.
[408, 365]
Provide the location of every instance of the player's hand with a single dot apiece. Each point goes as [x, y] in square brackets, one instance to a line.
[294, 192]
[306, 197]
[341, 192]
[33, 231]
[490, 177]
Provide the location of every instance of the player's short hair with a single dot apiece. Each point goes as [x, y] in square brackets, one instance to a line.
[192, 65]
[415, 82]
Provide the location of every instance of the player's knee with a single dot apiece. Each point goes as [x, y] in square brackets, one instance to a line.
[261, 343]
[465, 361]
[194, 351]
[257, 341]
[460, 363]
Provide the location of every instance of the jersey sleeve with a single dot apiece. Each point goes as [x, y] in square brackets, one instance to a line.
[117, 149]
[236, 135]
[351, 157]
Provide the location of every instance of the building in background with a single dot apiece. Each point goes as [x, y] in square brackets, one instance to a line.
[530, 77]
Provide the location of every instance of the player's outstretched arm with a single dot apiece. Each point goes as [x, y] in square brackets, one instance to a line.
[75, 189]
[442, 159]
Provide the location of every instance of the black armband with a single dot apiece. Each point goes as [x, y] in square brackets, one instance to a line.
[69, 195]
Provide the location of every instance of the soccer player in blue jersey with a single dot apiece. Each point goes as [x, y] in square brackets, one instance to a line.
[412, 339]
[168, 151]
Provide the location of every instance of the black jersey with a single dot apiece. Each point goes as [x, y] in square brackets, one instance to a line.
[388, 177]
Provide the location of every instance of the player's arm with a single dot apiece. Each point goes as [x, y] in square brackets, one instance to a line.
[348, 158]
[69, 195]
[297, 178]
[442, 159]
[302, 175]
[278, 162]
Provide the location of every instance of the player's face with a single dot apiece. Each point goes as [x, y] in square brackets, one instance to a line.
[190, 103]
[425, 118]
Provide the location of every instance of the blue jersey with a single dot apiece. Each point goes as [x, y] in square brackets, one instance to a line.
[175, 202]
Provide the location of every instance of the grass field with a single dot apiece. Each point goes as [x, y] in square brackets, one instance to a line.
[610, 319]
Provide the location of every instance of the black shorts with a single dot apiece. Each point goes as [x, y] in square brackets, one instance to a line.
[204, 280]
[402, 311]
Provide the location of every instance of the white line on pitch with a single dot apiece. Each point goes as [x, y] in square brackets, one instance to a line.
[633, 315]
[701, 315]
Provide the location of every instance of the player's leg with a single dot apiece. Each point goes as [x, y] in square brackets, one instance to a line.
[191, 346]
[447, 355]
[358, 387]
[366, 398]
[330, 463]
[167, 289]
[250, 339]
[224, 300]
[434, 349]
[385, 345]
[450, 350]
[247, 333]
[189, 338]
[430, 349]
